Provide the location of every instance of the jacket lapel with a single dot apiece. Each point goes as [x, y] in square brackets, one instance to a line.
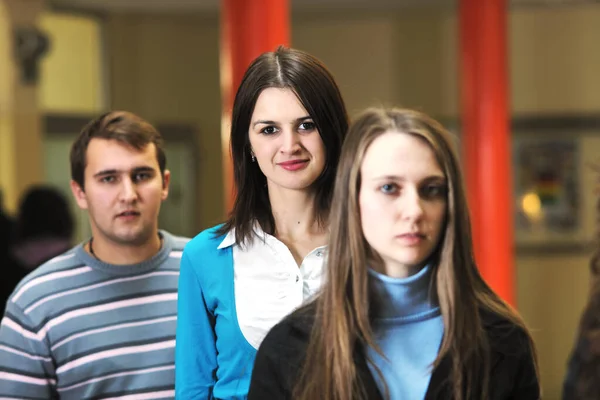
[440, 384]
[365, 376]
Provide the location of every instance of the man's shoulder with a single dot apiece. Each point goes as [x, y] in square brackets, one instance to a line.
[177, 242]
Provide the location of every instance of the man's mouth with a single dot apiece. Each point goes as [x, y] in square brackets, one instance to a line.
[128, 214]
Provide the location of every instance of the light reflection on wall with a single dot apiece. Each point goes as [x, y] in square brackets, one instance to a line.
[532, 207]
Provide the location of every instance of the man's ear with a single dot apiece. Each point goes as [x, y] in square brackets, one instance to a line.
[166, 179]
[79, 195]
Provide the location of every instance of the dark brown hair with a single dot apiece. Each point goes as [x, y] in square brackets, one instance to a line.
[316, 89]
[121, 126]
[343, 321]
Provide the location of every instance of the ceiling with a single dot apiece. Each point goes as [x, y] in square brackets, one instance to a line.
[180, 6]
[213, 5]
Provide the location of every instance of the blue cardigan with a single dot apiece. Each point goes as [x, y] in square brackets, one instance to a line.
[212, 357]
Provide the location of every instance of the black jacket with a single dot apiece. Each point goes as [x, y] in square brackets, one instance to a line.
[282, 353]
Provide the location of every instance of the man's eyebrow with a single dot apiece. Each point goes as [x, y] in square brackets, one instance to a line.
[142, 169]
[107, 172]
[118, 171]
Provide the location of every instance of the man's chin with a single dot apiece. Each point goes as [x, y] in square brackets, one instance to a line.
[133, 238]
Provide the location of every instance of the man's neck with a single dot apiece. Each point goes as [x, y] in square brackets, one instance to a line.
[122, 254]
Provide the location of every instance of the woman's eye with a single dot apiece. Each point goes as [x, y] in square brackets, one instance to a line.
[389, 188]
[268, 130]
[434, 191]
[307, 126]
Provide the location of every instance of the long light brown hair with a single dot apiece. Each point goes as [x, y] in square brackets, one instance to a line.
[342, 323]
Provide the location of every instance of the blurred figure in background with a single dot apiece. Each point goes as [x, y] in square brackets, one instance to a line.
[6, 226]
[6, 266]
[44, 228]
[583, 371]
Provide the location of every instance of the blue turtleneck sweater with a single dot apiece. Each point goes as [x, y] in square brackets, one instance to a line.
[408, 328]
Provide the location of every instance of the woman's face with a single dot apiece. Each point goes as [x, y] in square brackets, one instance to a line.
[285, 141]
[403, 201]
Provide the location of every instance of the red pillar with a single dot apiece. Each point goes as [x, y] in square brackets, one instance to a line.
[248, 28]
[486, 138]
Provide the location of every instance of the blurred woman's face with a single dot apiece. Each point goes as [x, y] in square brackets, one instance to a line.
[402, 200]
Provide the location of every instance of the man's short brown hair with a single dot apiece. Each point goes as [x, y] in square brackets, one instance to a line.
[121, 126]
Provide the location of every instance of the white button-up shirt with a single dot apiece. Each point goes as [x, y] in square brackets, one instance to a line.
[268, 284]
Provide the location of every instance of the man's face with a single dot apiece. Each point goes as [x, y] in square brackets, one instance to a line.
[123, 192]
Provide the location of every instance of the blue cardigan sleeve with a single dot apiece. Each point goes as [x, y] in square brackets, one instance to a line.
[195, 351]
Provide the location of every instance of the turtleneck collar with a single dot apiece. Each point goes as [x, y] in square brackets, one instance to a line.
[403, 299]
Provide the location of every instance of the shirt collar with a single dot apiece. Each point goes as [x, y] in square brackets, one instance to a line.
[229, 240]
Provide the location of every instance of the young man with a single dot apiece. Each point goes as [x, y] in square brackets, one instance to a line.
[99, 320]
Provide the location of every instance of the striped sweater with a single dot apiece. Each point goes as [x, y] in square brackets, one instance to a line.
[78, 328]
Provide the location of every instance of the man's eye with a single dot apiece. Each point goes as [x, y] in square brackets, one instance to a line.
[141, 177]
[107, 179]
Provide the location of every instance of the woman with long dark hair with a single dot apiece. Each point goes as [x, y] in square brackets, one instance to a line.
[241, 278]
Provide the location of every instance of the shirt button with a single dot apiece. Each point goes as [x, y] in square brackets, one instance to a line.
[319, 253]
[297, 278]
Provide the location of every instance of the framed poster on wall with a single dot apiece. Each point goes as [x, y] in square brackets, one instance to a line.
[547, 189]
[553, 184]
